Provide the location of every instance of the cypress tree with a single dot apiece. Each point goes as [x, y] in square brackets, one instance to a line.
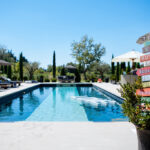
[123, 67]
[128, 68]
[5, 69]
[138, 65]
[63, 71]
[117, 72]
[112, 66]
[21, 66]
[54, 65]
[9, 72]
[77, 76]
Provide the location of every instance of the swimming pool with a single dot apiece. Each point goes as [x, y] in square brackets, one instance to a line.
[62, 104]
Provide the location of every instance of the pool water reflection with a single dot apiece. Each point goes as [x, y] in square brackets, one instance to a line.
[57, 104]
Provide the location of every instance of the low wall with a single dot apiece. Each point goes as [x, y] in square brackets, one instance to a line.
[128, 78]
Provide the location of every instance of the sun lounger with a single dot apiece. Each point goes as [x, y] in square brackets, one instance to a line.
[5, 85]
[9, 81]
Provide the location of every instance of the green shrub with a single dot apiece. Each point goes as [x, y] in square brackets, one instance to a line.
[14, 77]
[54, 79]
[133, 105]
[25, 78]
[87, 80]
[113, 77]
[40, 78]
[46, 80]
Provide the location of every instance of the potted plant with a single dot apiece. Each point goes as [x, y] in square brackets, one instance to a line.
[137, 109]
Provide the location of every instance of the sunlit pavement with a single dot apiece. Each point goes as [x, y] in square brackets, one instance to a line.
[67, 136]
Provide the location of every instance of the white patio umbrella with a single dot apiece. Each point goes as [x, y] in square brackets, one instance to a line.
[132, 56]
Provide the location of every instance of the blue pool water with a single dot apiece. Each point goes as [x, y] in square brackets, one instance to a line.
[62, 104]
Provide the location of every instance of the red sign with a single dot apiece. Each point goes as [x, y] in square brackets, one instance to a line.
[143, 92]
[143, 71]
[145, 58]
[146, 49]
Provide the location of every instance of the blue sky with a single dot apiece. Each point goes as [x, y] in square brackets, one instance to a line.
[37, 27]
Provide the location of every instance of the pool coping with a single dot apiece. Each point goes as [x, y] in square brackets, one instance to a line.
[54, 84]
[108, 93]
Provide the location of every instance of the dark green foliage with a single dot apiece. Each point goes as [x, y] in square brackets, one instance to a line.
[9, 72]
[63, 71]
[7, 55]
[54, 79]
[50, 68]
[80, 68]
[132, 105]
[112, 66]
[25, 78]
[128, 68]
[2, 69]
[46, 80]
[54, 65]
[77, 76]
[14, 77]
[5, 69]
[21, 67]
[117, 72]
[86, 52]
[41, 79]
[134, 65]
[138, 65]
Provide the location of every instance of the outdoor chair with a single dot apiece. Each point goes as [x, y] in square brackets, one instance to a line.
[5, 85]
[65, 79]
[9, 81]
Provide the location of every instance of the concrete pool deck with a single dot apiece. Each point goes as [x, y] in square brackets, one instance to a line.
[112, 88]
[67, 135]
[9, 91]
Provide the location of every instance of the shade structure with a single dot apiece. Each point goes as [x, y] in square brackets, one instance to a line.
[4, 63]
[71, 68]
[132, 56]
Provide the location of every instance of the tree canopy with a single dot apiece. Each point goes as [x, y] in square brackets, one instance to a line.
[86, 52]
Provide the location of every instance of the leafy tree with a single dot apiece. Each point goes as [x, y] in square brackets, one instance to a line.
[54, 65]
[49, 68]
[7, 55]
[80, 68]
[21, 67]
[31, 67]
[86, 52]
[112, 66]
[59, 68]
[102, 68]
[71, 64]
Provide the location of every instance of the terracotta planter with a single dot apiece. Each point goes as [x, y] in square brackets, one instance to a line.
[143, 139]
